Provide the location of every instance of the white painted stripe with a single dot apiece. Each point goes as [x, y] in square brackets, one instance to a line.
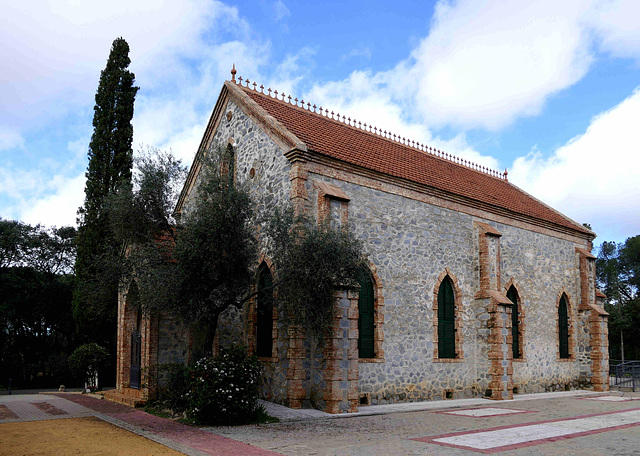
[489, 411]
[530, 433]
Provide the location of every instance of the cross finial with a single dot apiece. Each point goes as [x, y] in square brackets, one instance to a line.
[233, 73]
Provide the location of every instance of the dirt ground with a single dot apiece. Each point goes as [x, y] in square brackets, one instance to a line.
[75, 436]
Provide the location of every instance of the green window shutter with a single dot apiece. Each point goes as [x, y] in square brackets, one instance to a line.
[512, 295]
[366, 323]
[563, 328]
[446, 320]
[264, 327]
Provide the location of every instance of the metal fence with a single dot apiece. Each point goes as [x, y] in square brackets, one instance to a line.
[625, 375]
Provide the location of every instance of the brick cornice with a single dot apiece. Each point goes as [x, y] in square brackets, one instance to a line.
[329, 167]
[488, 229]
[585, 252]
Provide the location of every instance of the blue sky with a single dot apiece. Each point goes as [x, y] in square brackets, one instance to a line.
[547, 89]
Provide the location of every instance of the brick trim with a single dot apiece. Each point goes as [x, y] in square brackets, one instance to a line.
[489, 277]
[295, 370]
[599, 341]
[299, 195]
[252, 316]
[127, 322]
[326, 193]
[571, 324]
[500, 354]
[521, 319]
[457, 294]
[587, 268]
[341, 355]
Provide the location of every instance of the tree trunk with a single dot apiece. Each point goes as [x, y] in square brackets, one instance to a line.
[210, 334]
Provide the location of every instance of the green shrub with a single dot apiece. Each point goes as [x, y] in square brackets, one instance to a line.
[173, 385]
[224, 389]
[86, 360]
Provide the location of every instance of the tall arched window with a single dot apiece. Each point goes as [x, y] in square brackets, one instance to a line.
[229, 163]
[446, 320]
[512, 294]
[366, 317]
[135, 313]
[563, 327]
[264, 322]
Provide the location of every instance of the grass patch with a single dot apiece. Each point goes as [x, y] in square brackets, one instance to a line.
[262, 417]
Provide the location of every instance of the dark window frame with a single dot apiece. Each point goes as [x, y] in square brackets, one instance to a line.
[563, 328]
[447, 320]
[366, 317]
[516, 342]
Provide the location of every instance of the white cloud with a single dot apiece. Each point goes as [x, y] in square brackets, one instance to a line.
[10, 139]
[44, 77]
[616, 23]
[58, 208]
[483, 64]
[365, 97]
[486, 63]
[49, 195]
[281, 10]
[363, 52]
[181, 51]
[594, 178]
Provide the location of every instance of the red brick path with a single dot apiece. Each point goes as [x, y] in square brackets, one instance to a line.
[207, 442]
[6, 413]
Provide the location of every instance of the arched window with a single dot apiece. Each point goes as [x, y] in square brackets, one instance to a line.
[135, 363]
[229, 163]
[366, 317]
[563, 327]
[446, 320]
[264, 321]
[512, 294]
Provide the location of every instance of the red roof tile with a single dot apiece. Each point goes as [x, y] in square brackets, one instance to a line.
[335, 139]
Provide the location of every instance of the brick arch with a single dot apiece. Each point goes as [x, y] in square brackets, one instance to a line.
[570, 323]
[521, 317]
[128, 317]
[457, 296]
[269, 262]
[378, 315]
[251, 313]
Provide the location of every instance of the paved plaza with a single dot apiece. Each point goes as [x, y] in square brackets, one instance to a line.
[575, 422]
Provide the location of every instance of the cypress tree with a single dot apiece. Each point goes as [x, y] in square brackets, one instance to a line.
[110, 163]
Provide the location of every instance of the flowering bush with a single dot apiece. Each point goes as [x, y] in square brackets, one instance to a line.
[224, 389]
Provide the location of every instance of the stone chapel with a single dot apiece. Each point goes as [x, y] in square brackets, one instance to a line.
[474, 289]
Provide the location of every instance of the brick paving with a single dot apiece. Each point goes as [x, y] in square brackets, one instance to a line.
[400, 429]
[185, 439]
[594, 428]
[505, 438]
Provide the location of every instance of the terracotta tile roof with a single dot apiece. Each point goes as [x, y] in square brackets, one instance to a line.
[335, 139]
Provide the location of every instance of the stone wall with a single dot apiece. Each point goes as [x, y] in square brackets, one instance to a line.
[262, 167]
[173, 341]
[411, 243]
